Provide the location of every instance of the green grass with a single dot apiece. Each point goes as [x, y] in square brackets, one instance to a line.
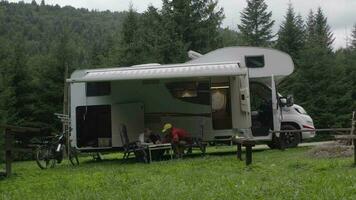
[273, 175]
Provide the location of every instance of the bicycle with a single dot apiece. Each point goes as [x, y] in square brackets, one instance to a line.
[52, 151]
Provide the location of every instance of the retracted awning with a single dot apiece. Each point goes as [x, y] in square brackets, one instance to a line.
[161, 72]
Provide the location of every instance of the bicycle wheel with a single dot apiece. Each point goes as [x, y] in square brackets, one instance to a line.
[44, 157]
[73, 156]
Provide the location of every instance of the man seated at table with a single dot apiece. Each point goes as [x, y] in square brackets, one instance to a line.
[178, 137]
[149, 137]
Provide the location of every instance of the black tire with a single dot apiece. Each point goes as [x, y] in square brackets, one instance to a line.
[272, 144]
[44, 157]
[73, 156]
[291, 140]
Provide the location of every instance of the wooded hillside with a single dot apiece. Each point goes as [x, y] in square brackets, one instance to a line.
[38, 42]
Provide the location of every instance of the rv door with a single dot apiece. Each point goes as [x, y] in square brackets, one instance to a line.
[275, 106]
[240, 104]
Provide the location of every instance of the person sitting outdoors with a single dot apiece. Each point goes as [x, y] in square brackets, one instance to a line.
[178, 137]
[149, 137]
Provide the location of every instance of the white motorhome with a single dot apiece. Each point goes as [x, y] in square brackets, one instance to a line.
[264, 65]
[208, 96]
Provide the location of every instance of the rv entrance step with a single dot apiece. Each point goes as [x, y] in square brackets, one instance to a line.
[248, 144]
[222, 138]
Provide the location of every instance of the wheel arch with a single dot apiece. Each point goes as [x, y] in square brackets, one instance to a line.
[296, 125]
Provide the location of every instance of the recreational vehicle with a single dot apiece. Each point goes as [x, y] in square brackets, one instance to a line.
[229, 92]
[263, 66]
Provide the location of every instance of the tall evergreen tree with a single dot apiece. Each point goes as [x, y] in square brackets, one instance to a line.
[324, 36]
[154, 39]
[353, 37]
[291, 33]
[310, 28]
[61, 61]
[17, 94]
[195, 23]
[256, 24]
[127, 49]
[318, 33]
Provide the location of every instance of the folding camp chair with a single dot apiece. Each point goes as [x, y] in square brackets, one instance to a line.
[135, 147]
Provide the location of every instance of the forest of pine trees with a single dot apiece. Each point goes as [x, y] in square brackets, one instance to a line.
[39, 42]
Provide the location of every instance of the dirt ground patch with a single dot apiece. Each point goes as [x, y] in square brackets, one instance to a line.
[332, 150]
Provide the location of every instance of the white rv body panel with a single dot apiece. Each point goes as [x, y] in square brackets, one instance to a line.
[130, 114]
[147, 102]
[277, 63]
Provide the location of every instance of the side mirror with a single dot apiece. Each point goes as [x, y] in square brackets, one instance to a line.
[290, 100]
[283, 101]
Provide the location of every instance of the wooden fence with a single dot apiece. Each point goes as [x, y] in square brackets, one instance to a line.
[18, 139]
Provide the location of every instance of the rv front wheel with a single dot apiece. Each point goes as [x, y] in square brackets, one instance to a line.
[291, 139]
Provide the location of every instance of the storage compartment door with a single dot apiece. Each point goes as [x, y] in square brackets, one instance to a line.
[240, 102]
[132, 115]
[275, 106]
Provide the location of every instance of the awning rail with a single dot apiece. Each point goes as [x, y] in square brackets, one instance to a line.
[162, 72]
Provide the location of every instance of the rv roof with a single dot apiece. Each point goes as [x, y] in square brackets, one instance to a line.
[276, 63]
[159, 72]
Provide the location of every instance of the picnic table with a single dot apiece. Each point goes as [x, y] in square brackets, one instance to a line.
[154, 147]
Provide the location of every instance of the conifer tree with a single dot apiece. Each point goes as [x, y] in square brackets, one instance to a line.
[256, 24]
[323, 35]
[127, 50]
[353, 37]
[17, 93]
[291, 33]
[194, 24]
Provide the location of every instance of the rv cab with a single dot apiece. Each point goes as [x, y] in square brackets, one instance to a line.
[269, 110]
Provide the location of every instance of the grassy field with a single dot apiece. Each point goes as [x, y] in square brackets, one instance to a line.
[274, 175]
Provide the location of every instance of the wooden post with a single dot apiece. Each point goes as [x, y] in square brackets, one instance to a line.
[248, 154]
[239, 151]
[8, 153]
[353, 124]
[354, 141]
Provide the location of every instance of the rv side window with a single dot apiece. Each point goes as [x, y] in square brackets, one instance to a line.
[98, 89]
[255, 61]
[193, 92]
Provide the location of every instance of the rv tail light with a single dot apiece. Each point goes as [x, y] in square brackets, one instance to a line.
[308, 127]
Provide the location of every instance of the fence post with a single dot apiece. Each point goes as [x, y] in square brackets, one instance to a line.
[8, 153]
[353, 124]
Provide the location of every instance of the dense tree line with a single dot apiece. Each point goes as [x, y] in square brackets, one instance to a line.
[41, 44]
